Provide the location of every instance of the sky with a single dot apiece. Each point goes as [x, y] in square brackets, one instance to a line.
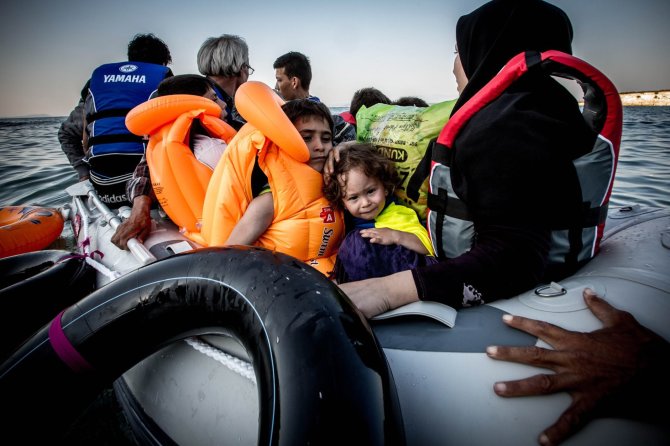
[49, 49]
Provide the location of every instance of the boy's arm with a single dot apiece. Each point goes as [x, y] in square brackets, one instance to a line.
[255, 221]
[388, 236]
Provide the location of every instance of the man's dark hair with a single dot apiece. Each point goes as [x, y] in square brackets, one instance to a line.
[295, 65]
[184, 84]
[411, 100]
[148, 48]
[367, 96]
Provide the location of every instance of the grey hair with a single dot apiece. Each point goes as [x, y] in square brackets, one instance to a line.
[223, 56]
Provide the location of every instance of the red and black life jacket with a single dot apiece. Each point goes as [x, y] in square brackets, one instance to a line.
[449, 224]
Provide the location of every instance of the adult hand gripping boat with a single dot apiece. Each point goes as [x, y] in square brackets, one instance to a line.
[242, 345]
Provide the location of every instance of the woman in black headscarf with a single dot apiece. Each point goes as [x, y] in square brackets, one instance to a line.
[512, 166]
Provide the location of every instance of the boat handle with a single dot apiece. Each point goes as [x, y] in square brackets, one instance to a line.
[556, 290]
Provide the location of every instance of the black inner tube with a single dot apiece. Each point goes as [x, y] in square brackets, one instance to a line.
[322, 377]
[34, 287]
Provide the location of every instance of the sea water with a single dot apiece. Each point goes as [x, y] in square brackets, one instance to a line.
[35, 171]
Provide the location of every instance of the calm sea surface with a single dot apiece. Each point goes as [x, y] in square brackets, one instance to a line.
[34, 170]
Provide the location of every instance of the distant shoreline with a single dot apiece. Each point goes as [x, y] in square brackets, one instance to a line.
[628, 99]
[645, 98]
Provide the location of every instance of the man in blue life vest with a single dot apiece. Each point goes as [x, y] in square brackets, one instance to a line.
[108, 152]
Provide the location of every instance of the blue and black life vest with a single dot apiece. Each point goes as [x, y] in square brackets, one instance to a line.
[115, 89]
[449, 223]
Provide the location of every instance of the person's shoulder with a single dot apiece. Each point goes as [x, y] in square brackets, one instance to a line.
[347, 116]
[344, 131]
[398, 210]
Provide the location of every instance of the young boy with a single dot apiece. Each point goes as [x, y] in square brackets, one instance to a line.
[207, 149]
[314, 123]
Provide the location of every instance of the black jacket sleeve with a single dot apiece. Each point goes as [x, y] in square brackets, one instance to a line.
[70, 136]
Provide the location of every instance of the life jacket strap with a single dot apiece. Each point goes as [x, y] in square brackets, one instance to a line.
[109, 139]
[110, 113]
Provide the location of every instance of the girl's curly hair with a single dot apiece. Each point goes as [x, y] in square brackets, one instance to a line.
[365, 157]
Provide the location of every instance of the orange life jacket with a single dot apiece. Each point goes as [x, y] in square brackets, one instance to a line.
[179, 180]
[304, 225]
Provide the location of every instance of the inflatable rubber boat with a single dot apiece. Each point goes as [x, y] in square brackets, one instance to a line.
[240, 345]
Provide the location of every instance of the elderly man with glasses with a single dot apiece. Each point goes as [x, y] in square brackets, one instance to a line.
[224, 60]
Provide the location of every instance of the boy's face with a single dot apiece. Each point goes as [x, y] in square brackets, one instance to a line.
[318, 137]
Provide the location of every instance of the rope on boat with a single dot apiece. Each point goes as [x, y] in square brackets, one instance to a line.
[89, 258]
[242, 368]
[102, 269]
[86, 243]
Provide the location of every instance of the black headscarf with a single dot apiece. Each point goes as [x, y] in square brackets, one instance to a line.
[491, 35]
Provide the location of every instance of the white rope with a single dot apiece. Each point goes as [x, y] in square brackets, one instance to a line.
[111, 275]
[242, 368]
[85, 245]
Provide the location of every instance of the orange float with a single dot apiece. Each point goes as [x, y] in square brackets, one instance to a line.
[28, 228]
[148, 117]
[179, 180]
[261, 107]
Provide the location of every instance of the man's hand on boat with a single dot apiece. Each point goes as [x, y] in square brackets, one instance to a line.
[137, 226]
[613, 371]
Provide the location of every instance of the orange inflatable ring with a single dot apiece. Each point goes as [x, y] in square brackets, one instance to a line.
[261, 107]
[179, 180]
[28, 228]
[148, 117]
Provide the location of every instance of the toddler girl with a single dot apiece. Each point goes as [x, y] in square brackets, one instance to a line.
[386, 237]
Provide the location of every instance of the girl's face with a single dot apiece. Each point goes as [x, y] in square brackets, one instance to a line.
[364, 197]
[318, 137]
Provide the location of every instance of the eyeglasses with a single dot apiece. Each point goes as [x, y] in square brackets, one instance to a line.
[248, 67]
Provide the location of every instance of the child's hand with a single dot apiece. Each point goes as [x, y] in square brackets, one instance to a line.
[382, 236]
[388, 236]
[332, 158]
